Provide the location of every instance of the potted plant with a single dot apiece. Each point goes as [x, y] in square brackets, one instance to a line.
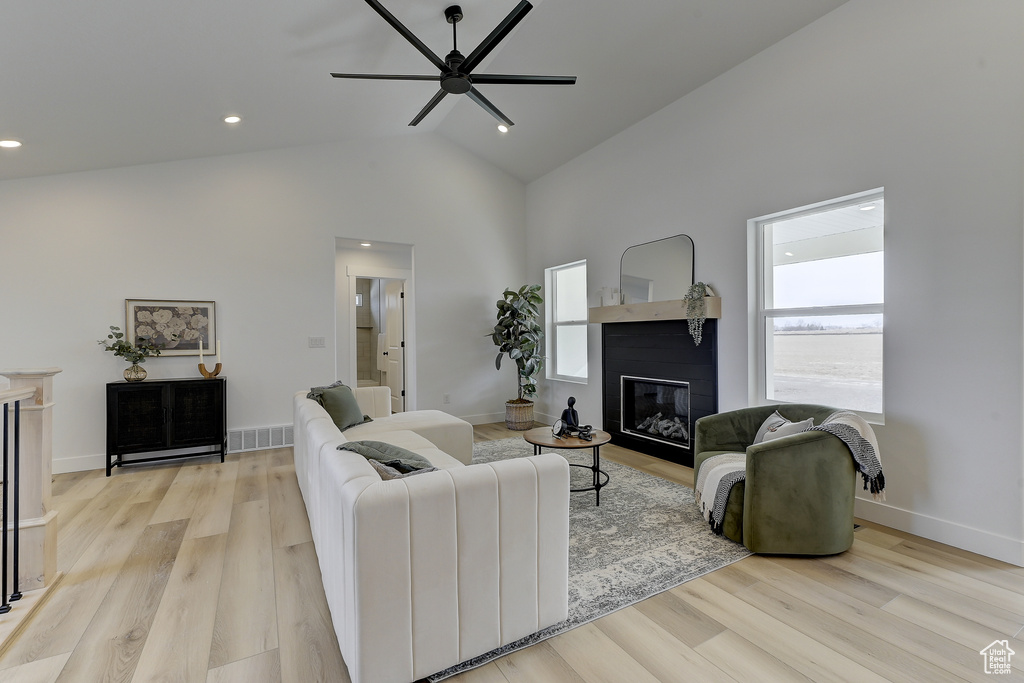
[518, 334]
[696, 309]
[136, 353]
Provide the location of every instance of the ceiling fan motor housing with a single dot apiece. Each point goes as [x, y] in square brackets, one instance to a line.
[453, 14]
[456, 83]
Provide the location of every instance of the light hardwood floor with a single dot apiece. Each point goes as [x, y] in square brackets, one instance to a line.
[206, 572]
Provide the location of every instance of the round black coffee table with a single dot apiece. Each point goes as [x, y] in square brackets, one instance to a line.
[541, 437]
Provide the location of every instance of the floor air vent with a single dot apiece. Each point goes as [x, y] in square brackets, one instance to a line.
[258, 438]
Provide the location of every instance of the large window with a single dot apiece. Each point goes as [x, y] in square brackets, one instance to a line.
[567, 321]
[817, 336]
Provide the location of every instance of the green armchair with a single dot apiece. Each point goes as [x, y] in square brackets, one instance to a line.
[799, 490]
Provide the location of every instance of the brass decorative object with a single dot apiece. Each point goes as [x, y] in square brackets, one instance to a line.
[209, 374]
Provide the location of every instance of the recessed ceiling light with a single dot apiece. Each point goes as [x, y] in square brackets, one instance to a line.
[502, 128]
[10, 144]
[789, 253]
[869, 207]
[365, 244]
[232, 119]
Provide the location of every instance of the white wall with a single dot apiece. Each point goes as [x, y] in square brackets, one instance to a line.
[923, 97]
[256, 233]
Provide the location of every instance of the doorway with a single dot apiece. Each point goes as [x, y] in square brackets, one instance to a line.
[375, 318]
[371, 349]
[380, 336]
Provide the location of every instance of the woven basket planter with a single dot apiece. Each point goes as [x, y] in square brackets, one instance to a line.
[519, 416]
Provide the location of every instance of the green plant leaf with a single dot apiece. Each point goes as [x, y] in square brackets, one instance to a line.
[518, 333]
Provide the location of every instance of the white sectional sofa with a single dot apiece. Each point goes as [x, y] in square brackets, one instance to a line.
[427, 571]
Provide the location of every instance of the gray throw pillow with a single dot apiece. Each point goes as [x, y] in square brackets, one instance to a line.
[316, 393]
[387, 472]
[402, 459]
[340, 403]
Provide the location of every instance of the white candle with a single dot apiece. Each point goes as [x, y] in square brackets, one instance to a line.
[218, 350]
[200, 350]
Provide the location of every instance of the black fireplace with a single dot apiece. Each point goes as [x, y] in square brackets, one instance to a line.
[656, 409]
[654, 367]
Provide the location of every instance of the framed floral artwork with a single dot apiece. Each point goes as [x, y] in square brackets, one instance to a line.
[176, 326]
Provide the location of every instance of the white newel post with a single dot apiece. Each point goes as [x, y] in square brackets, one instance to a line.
[37, 522]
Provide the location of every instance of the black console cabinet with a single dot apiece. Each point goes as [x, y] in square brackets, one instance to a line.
[162, 415]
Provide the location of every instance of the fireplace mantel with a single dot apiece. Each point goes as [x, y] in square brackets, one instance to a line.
[655, 310]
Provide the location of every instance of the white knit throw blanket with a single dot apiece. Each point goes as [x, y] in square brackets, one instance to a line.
[858, 436]
[719, 473]
[714, 482]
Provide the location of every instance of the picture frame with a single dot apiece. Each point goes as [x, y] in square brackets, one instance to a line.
[178, 325]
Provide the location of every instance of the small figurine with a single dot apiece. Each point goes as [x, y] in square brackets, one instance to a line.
[570, 417]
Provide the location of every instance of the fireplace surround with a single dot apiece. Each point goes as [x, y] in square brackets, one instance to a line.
[659, 359]
[655, 409]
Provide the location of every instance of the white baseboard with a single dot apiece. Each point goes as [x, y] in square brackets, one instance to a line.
[489, 418]
[82, 463]
[544, 418]
[967, 538]
[79, 463]
[483, 418]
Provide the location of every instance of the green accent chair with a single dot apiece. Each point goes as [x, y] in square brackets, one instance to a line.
[799, 490]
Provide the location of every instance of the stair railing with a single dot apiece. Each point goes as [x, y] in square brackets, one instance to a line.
[10, 478]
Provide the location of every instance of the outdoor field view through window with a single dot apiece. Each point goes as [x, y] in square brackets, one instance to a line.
[823, 298]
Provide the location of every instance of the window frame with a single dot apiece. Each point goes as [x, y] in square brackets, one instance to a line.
[552, 325]
[759, 260]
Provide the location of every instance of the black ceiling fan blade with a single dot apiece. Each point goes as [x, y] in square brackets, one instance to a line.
[491, 79]
[417, 43]
[430, 105]
[389, 77]
[475, 95]
[491, 41]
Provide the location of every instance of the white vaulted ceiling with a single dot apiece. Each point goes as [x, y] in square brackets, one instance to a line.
[108, 83]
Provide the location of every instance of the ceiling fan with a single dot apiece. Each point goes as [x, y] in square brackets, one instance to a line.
[456, 75]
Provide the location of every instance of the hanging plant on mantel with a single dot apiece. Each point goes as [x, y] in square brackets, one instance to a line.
[697, 309]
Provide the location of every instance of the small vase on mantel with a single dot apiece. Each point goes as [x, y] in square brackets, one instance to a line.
[135, 373]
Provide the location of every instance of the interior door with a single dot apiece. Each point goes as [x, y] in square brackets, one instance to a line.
[394, 316]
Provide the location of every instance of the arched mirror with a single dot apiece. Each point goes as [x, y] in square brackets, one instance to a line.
[661, 270]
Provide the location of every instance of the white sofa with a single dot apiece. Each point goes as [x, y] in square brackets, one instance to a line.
[427, 571]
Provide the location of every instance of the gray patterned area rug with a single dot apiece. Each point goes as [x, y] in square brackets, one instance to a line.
[646, 537]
